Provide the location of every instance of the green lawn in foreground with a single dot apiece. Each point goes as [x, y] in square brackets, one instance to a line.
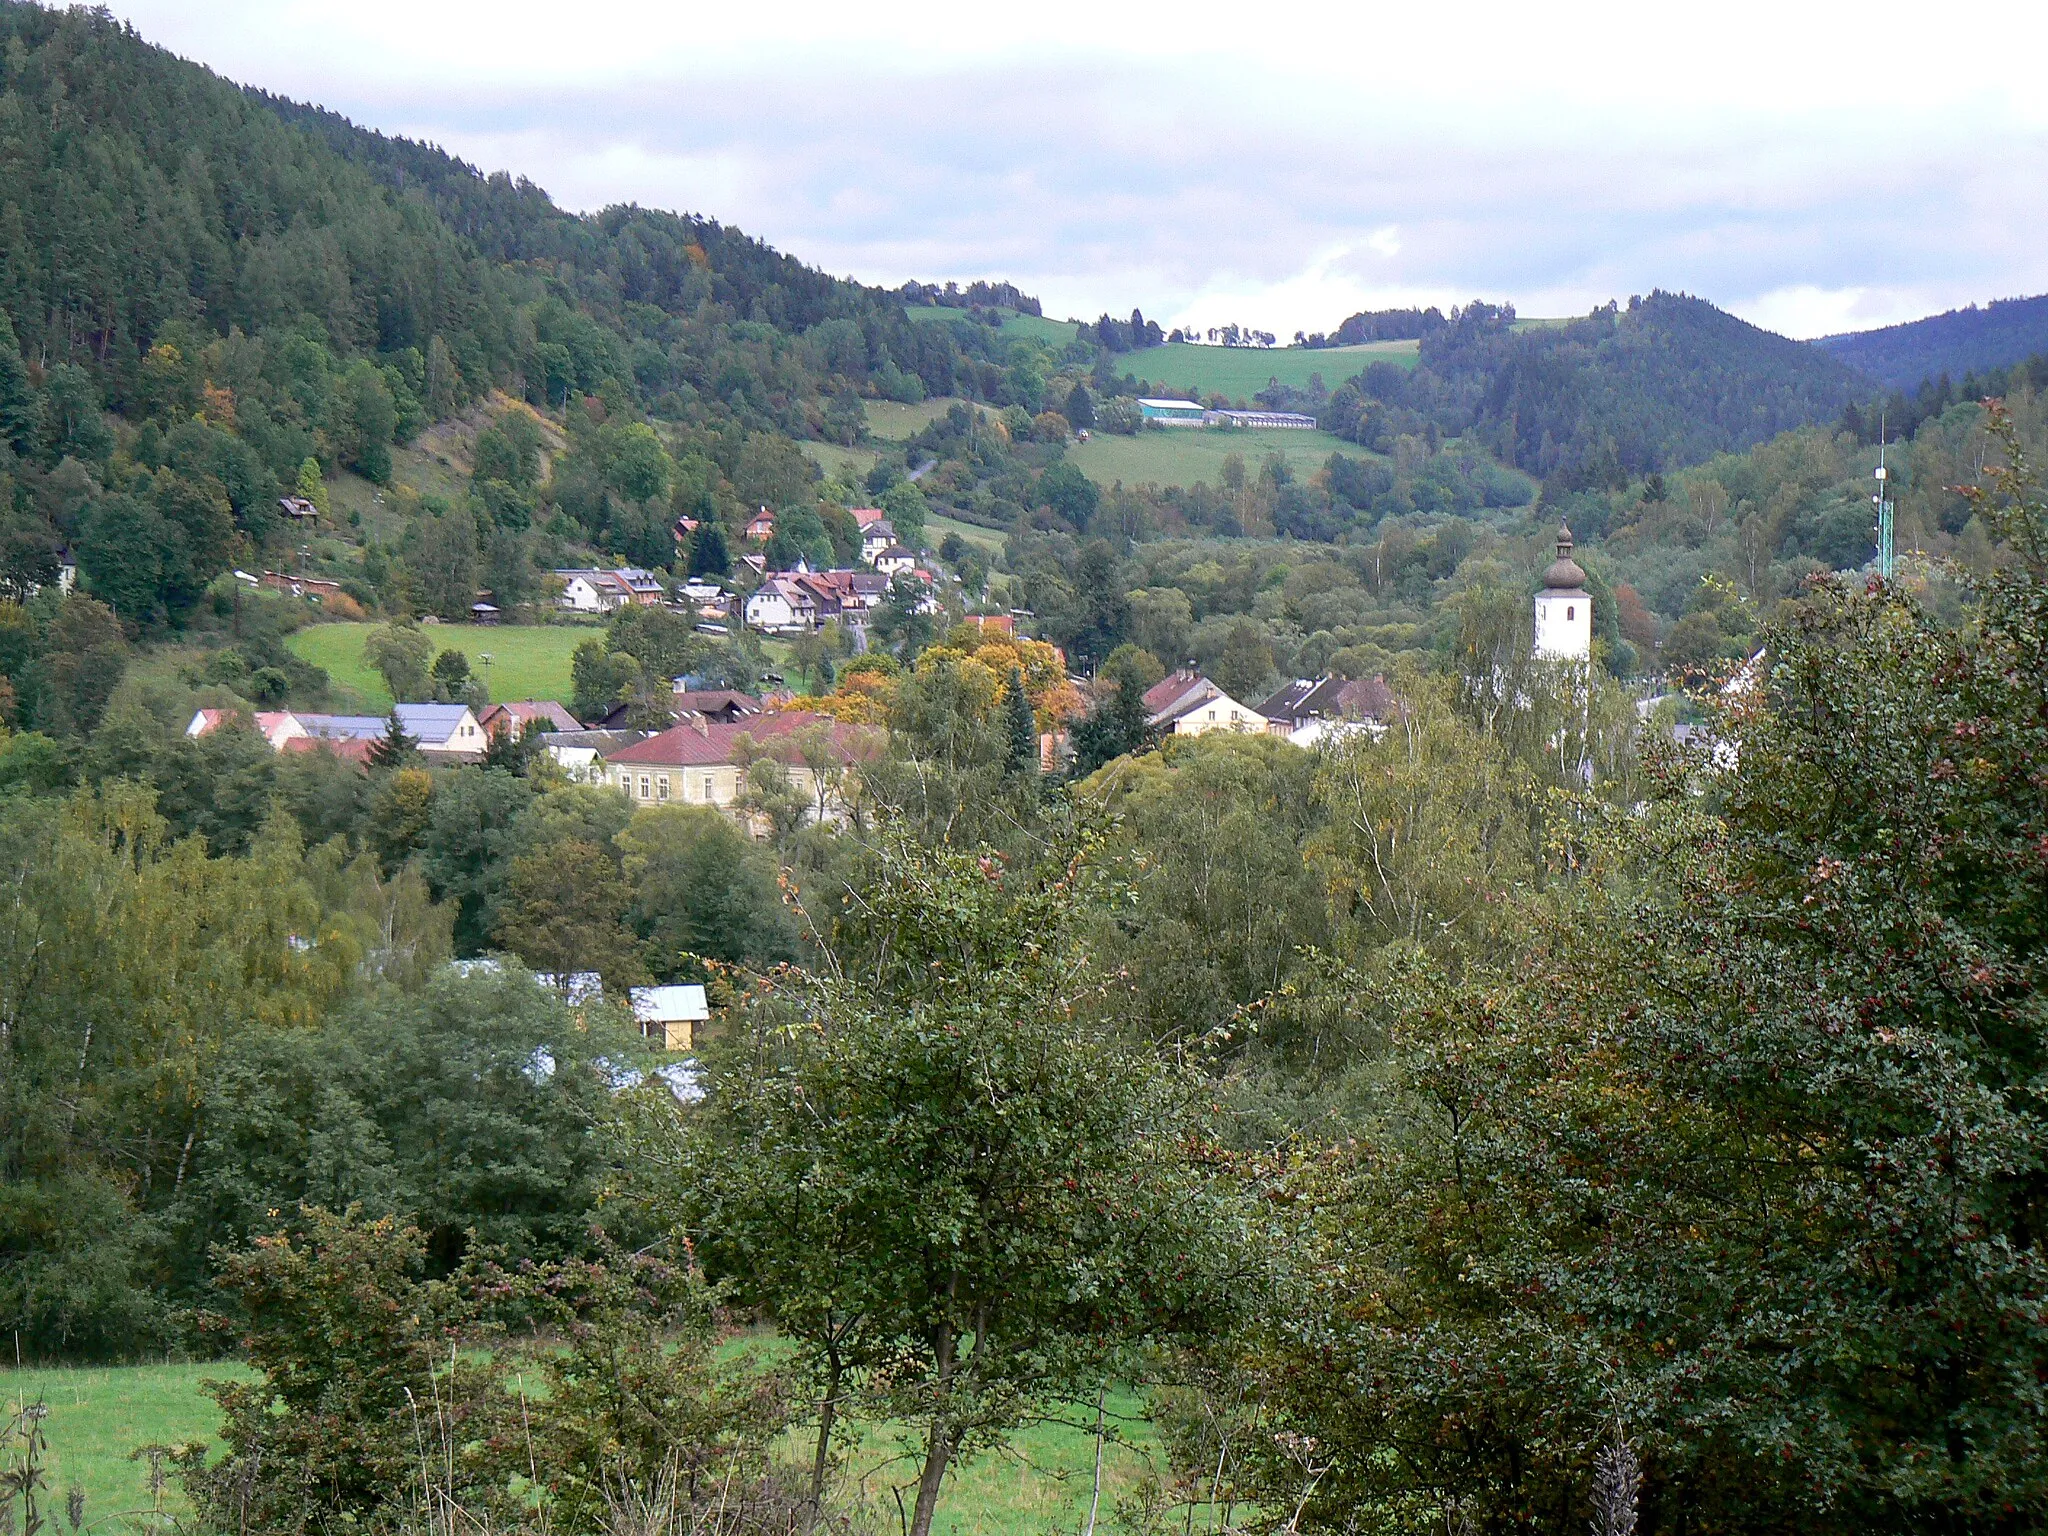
[1184, 455]
[528, 661]
[98, 1416]
[1038, 1483]
[1241, 372]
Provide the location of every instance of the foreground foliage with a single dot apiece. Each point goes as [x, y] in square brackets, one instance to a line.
[1742, 1151]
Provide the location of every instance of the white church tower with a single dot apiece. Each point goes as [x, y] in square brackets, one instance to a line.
[1564, 613]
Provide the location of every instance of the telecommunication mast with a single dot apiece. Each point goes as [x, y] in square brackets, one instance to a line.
[1887, 548]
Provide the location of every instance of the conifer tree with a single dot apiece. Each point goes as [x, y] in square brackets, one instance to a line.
[20, 415]
[1021, 725]
[394, 749]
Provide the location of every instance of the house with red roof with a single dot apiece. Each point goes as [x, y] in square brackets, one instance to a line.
[704, 762]
[518, 716]
[1186, 703]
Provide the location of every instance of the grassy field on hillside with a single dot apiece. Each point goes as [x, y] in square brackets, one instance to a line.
[849, 464]
[527, 661]
[895, 422]
[1241, 372]
[937, 527]
[1056, 333]
[1038, 1483]
[1184, 455]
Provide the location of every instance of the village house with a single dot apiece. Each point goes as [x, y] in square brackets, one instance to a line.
[671, 1014]
[781, 605]
[760, 527]
[580, 754]
[724, 705]
[895, 561]
[518, 716]
[1188, 704]
[703, 762]
[846, 595]
[1311, 710]
[586, 591]
[443, 732]
[875, 539]
[792, 602]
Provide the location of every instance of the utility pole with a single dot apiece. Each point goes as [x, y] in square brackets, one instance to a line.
[1887, 547]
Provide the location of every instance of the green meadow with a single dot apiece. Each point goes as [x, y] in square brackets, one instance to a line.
[1184, 456]
[1054, 333]
[1039, 1482]
[1241, 372]
[527, 661]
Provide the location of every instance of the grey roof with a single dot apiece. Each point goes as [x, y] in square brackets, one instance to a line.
[1331, 698]
[428, 722]
[343, 727]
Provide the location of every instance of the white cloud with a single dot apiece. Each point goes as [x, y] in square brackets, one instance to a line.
[1278, 171]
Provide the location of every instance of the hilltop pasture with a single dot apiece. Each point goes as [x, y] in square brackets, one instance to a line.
[1241, 372]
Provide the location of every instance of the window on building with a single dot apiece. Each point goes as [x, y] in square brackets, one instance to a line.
[707, 789]
[643, 787]
[1570, 614]
[661, 787]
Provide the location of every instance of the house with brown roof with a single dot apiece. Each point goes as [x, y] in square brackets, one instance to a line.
[1185, 703]
[518, 716]
[724, 705]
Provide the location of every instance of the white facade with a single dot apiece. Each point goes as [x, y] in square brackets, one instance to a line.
[780, 606]
[1564, 625]
[1219, 713]
[1564, 611]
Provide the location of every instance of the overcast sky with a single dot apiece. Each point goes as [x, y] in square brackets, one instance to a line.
[1813, 167]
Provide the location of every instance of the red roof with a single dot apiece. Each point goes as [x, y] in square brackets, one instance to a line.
[713, 743]
[1172, 688]
[864, 516]
[545, 712]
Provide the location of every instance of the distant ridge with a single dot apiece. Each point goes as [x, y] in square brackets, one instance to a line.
[1961, 341]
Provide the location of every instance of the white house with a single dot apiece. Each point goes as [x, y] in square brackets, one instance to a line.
[1188, 704]
[895, 561]
[591, 592]
[670, 1014]
[1564, 612]
[443, 730]
[780, 605]
[875, 538]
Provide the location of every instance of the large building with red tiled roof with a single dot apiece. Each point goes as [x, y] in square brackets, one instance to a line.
[704, 762]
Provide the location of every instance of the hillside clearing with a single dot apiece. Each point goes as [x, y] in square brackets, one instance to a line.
[528, 661]
[938, 526]
[1241, 372]
[1184, 456]
[1054, 333]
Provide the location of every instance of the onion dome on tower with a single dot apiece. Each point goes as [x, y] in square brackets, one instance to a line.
[1564, 611]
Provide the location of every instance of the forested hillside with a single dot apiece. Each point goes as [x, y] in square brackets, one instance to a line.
[1594, 402]
[1967, 340]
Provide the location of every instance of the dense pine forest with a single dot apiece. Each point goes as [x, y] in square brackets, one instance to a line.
[1590, 1093]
